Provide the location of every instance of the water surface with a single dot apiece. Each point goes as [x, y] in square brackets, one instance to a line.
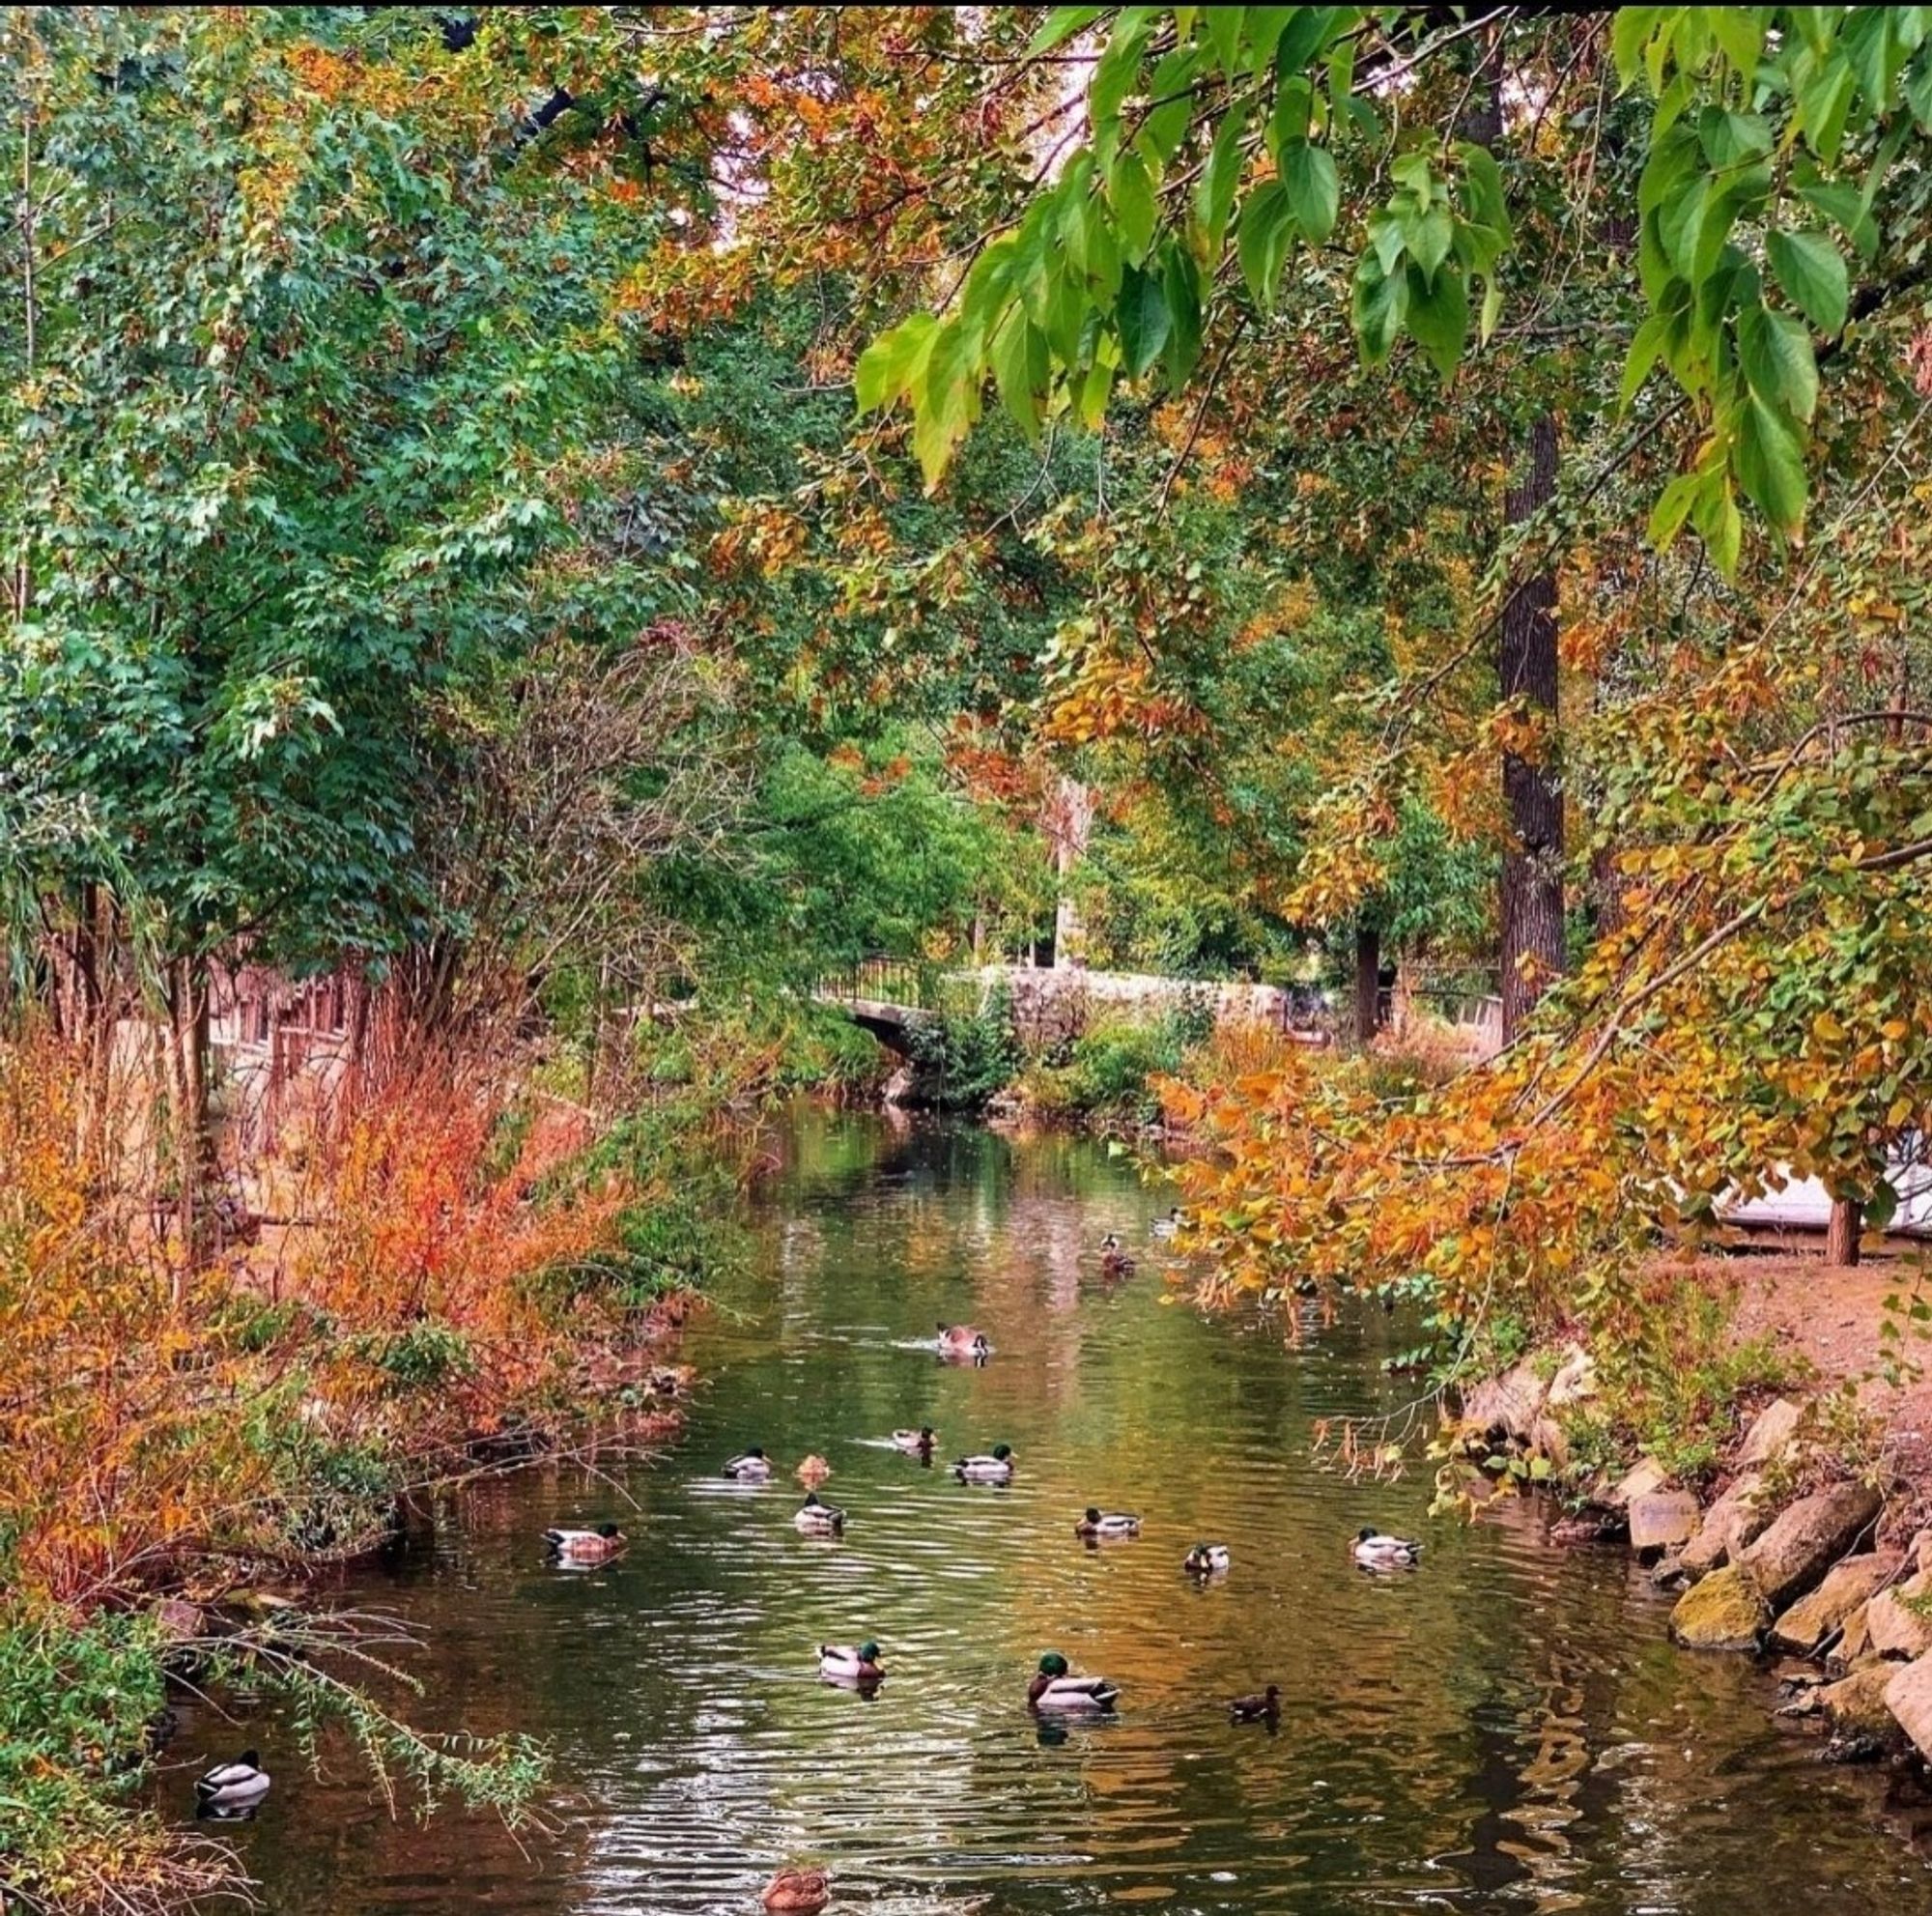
[1505, 1730]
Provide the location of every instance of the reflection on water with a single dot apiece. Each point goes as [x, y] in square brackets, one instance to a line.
[1502, 1730]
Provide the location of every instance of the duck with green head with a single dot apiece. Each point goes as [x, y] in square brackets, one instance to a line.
[996, 1467]
[1099, 1526]
[1054, 1687]
[845, 1663]
[815, 1518]
[1206, 1559]
[1375, 1551]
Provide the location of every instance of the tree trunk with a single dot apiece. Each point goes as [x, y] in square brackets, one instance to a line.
[1841, 1236]
[1532, 875]
[1368, 983]
[193, 1132]
[1070, 823]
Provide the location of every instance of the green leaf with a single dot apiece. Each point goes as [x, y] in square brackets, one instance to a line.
[1181, 278]
[1823, 90]
[1021, 369]
[1673, 506]
[1215, 197]
[1293, 107]
[1770, 460]
[1631, 29]
[1917, 89]
[1131, 191]
[1774, 351]
[1143, 319]
[1844, 205]
[1060, 25]
[1222, 28]
[1428, 238]
[1114, 76]
[1167, 121]
[1811, 270]
[1438, 318]
[1644, 351]
[947, 407]
[888, 366]
[1377, 306]
[1314, 188]
[1880, 1207]
[1265, 232]
[1716, 516]
[1483, 196]
[1304, 39]
[1738, 32]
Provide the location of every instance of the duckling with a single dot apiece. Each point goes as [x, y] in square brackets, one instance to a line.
[840, 1663]
[1258, 1706]
[813, 1470]
[962, 1341]
[237, 1785]
[1114, 1259]
[1105, 1526]
[1166, 1227]
[1054, 1689]
[818, 1520]
[1206, 1559]
[754, 1466]
[998, 1468]
[1377, 1551]
[915, 1443]
[797, 1892]
[584, 1547]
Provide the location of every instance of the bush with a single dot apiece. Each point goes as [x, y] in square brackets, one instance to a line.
[966, 1055]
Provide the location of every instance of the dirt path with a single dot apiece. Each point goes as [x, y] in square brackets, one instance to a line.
[1831, 1319]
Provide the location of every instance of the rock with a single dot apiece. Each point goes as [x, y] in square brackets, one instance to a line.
[1663, 1518]
[1858, 1703]
[1574, 1381]
[1805, 1541]
[1770, 1433]
[1812, 1619]
[1893, 1626]
[1511, 1402]
[1731, 1522]
[1548, 1440]
[1855, 1642]
[1643, 1477]
[1908, 1696]
[1668, 1572]
[1723, 1613]
[181, 1622]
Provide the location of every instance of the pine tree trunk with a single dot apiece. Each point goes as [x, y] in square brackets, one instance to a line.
[1368, 983]
[1841, 1236]
[1532, 875]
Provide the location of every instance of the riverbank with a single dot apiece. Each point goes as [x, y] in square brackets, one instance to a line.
[1785, 1503]
[183, 1448]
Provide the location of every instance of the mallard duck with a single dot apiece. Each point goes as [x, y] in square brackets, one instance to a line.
[818, 1520]
[754, 1466]
[1206, 1559]
[1104, 1526]
[1166, 1227]
[1114, 1259]
[797, 1891]
[236, 1786]
[596, 1546]
[998, 1468]
[815, 1469]
[962, 1341]
[1054, 1689]
[844, 1664]
[1376, 1551]
[915, 1443]
[1256, 1707]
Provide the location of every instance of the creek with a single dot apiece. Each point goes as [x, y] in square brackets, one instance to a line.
[1504, 1728]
